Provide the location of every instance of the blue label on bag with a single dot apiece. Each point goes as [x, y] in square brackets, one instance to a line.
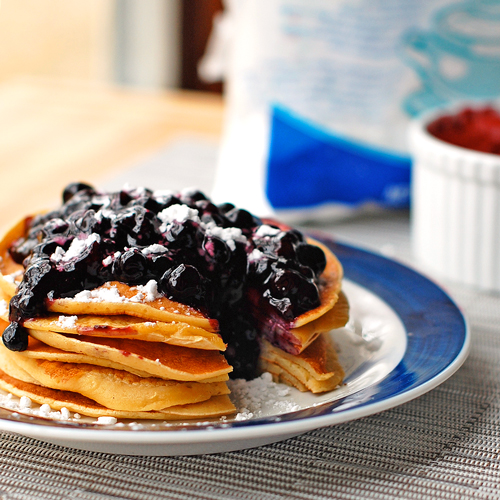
[309, 166]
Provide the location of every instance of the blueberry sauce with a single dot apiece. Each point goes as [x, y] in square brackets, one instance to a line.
[254, 278]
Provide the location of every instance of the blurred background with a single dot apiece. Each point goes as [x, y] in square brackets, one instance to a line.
[143, 43]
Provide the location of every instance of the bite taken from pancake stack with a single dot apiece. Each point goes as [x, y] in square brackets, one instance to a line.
[141, 304]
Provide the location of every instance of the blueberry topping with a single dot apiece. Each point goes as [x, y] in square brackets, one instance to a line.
[218, 258]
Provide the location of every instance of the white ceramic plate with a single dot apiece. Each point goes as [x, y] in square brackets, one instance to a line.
[405, 337]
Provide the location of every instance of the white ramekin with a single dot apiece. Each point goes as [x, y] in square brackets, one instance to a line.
[455, 209]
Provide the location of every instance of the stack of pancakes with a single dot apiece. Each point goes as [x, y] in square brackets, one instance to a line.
[119, 353]
[129, 352]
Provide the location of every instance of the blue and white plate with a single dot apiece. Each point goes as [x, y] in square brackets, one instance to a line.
[405, 337]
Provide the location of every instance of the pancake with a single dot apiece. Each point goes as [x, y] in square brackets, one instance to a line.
[128, 327]
[158, 360]
[316, 369]
[116, 298]
[214, 407]
[39, 350]
[114, 389]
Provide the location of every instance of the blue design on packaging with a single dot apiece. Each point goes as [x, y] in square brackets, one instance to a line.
[309, 166]
[457, 58]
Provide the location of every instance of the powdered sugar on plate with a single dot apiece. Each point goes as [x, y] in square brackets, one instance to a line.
[261, 397]
[25, 406]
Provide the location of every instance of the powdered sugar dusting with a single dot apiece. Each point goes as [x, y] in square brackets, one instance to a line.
[76, 248]
[261, 397]
[103, 294]
[67, 321]
[144, 293]
[266, 230]
[255, 255]
[107, 261]
[147, 292]
[227, 234]
[154, 249]
[178, 213]
[106, 420]
[25, 406]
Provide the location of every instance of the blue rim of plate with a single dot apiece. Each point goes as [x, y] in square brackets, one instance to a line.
[438, 342]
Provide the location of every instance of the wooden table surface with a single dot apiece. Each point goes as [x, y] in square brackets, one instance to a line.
[56, 132]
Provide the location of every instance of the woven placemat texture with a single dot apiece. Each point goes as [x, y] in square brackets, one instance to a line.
[443, 445]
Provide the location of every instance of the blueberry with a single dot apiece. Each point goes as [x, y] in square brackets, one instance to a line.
[124, 197]
[301, 291]
[146, 229]
[238, 217]
[183, 283]
[15, 337]
[152, 205]
[295, 236]
[44, 249]
[130, 267]
[75, 204]
[168, 201]
[76, 187]
[158, 264]
[268, 246]
[259, 270]
[21, 249]
[85, 223]
[225, 207]
[135, 226]
[311, 256]
[285, 246]
[183, 235]
[191, 197]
